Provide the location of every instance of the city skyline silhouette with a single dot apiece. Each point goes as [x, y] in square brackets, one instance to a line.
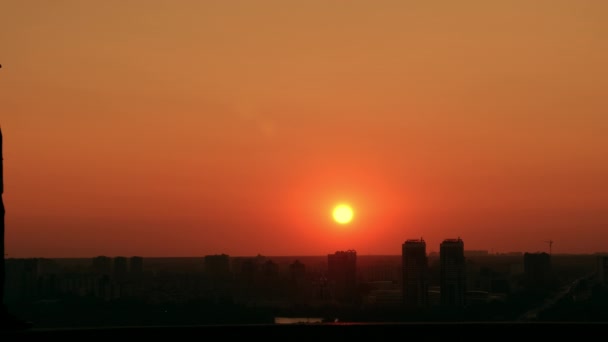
[330, 164]
[208, 128]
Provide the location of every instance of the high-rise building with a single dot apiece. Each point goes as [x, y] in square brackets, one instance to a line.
[297, 281]
[602, 269]
[538, 274]
[452, 273]
[102, 265]
[297, 269]
[2, 212]
[342, 275]
[415, 283]
[270, 269]
[120, 267]
[269, 279]
[136, 265]
[297, 272]
[248, 272]
[217, 266]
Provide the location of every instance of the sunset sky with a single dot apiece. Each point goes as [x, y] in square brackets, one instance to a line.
[187, 128]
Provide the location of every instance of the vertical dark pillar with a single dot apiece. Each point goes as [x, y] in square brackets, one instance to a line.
[2, 211]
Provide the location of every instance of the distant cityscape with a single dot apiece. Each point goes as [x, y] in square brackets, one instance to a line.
[454, 284]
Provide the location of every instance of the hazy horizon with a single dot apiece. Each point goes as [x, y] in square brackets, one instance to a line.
[323, 255]
[208, 127]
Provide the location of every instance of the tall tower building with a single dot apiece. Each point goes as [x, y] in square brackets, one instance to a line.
[538, 274]
[5, 318]
[453, 276]
[342, 275]
[602, 269]
[2, 212]
[120, 267]
[217, 267]
[415, 283]
[297, 272]
[102, 265]
[136, 265]
[297, 281]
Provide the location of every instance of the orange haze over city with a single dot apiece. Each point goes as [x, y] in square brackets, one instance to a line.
[187, 128]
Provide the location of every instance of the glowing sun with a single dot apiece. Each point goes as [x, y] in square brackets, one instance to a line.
[343, 213]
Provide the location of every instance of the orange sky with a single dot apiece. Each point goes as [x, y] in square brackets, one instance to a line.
[186, 128]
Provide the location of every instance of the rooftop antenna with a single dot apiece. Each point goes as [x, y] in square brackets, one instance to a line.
[550, 242]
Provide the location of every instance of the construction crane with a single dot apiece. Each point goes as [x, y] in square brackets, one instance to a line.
[550, 242]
